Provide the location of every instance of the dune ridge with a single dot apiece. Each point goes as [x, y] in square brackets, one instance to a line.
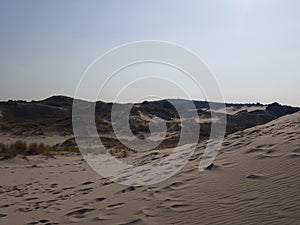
[254, 180]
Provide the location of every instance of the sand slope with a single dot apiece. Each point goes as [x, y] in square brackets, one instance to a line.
[256, 180]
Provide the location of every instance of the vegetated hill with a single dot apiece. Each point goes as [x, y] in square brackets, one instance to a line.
[54, 115]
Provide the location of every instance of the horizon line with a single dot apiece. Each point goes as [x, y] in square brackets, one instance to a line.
[164, 99]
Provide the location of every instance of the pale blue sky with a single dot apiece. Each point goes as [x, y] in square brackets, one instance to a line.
[252, 46]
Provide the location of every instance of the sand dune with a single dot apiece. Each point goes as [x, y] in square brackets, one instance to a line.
[254, 180]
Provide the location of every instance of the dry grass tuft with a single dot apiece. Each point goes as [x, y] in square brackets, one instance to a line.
[22, 148]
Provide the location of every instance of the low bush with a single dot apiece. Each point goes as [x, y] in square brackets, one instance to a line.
[118, 153]
[22, 148]
[6, 152]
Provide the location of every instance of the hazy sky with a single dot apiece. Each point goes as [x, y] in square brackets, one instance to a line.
[252, 46]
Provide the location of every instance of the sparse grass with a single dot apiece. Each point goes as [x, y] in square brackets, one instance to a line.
[22, 148]
[66, 149]
[121, 151]
[118, 153]
[6, 152]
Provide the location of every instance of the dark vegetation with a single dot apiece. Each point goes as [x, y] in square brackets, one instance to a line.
[54, 115]
[24, 149]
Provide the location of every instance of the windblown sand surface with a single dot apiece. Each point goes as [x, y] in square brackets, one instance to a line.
[255, 180]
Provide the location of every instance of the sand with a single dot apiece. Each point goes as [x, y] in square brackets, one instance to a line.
[255, 180]
[233, 110]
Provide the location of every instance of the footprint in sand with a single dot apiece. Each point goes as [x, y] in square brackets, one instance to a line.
[68, 188]
[87, 183]
[177, 199]
[133, 222]
[85, 191]
[128, 189]
[174, 186]
[100, 199]
[229, 164]
[180, 207]
[255, 177]
[42, 221]
[78, 214]
[5, 206]
[53, 185]
[115, 206]
[31, 199]
[176, 206]
[102, 217]
[55, 192]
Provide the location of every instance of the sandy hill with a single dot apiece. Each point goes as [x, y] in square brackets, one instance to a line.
[255, 180]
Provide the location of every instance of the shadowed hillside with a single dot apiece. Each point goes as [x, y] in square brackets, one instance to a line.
[54, 116]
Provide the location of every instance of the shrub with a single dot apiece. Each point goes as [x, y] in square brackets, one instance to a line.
[118, 153]
[18, 146]
[6, 152]
[21, 147]
[33, 149]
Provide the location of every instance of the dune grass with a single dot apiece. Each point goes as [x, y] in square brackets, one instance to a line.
[22, 148]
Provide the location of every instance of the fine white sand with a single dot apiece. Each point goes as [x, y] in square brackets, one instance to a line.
[255, 181]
